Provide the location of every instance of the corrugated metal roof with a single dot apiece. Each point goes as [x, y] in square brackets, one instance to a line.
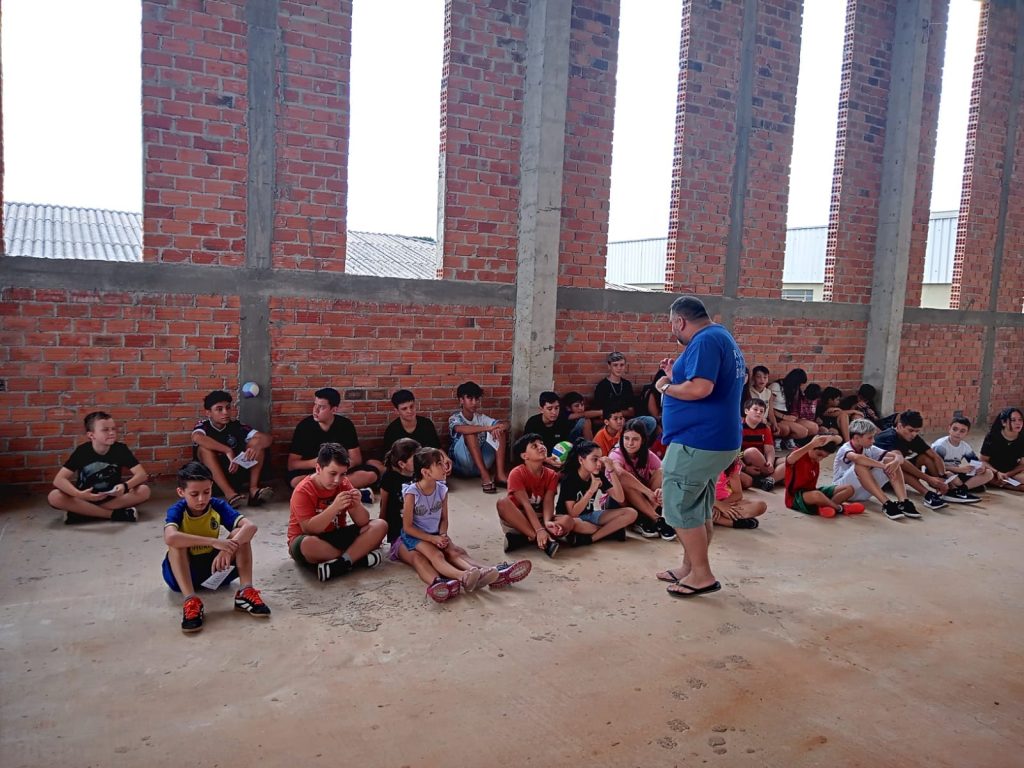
[383, 255]
[64, 232]
[643, 261]
[632, 262]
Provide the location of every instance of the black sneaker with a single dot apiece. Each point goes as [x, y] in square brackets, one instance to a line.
[893, 510]
[366, 495]
[932, 500]
[910, 510]
[960, 496]
[646, 528]
[551, 549]
[192, 615]
[580, 539]
[619, 535]
[332, 568]
[666, 531]
[766, 483]
[515, 541]
[73, 518]
[126, 515]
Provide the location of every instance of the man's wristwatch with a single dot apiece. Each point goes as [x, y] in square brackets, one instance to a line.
[666, 386]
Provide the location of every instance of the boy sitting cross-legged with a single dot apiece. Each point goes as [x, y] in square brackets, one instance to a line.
[527, 513]
[318, 537]
[759, 465]
[89, 485]
[869, 469]
[802, 490]
[220, 443]
[958, 456]
[195, 551]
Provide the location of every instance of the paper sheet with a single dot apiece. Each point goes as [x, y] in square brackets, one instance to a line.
[217, 578]
[243, 462]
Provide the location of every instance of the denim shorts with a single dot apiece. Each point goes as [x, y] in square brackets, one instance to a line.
[593, 517]
[462, 459]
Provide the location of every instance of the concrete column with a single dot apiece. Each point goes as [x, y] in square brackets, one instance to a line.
[540, 202]
[254, 328]
[896, 203]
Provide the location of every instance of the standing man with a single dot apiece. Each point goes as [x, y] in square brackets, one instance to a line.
[701, 397]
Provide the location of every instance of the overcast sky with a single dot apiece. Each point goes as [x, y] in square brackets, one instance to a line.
[72, 133]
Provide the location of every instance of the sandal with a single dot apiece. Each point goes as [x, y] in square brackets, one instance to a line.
[694, 591]
[673, 579]
[237, 500]
[488, 488]
[261, 496]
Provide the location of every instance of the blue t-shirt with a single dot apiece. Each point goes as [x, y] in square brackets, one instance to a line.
[709, 424]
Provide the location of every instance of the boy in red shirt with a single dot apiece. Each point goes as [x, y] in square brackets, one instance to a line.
[759, 465]
[802, 490]
[527, 513]
[317, 535]
[614, 420]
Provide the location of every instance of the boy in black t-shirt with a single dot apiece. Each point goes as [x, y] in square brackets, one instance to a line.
[552, 427]
[223, 445]
[90, 485]
[326, 425]
[615, 388]
[922, 465]
[408, 424]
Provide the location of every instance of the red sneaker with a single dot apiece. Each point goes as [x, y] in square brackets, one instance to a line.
[824, 511]
[853, 508]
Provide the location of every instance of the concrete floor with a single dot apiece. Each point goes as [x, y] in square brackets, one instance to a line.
[846, 642]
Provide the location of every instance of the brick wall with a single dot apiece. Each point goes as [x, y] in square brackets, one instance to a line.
[920, 357]
[310, 210]
[481, 127]
[776, 66]
[148, 360]
[195, 145]
[367, 351]
[590, 115]
[857, 180]
[983, 173]
[705, 146]
[1007, 371]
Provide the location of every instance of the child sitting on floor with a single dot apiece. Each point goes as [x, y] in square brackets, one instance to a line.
[759, 466]
[959, 458]
[641, 481]
[608, 437]
[398, 474]
[731, 510]
[527, 513]
[425, 531]
[585, 475]
[802, 490]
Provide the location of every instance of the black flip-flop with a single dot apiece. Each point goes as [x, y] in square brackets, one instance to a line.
[673, 580]
[695, 591]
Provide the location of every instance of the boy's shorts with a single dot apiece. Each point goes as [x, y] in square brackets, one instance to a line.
[201, 567]
[811, 509]
[859, 493]
[462, 461]
[537, 510]
[340, 538]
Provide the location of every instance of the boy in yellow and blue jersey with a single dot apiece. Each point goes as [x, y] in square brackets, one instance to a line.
[195, 550]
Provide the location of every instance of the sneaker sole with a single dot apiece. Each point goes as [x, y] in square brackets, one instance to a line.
[191, 631]
[516, 573]
[645, 534]
[959, 501]
[895, 517]
[439, 593]
[252, 613]
[673, 537]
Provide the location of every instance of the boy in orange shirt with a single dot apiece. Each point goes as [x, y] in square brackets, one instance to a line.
[608, 437]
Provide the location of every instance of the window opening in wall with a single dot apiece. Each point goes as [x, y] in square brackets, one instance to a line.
[950, 143]
[645, 115]
[395, 110]
[814, 147]
[72, 129]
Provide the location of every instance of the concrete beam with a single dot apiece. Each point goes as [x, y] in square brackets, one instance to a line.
[540, 202]
[896, 204]
[261, 18]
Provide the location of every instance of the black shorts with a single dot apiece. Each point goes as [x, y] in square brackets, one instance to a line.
[340, 538]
